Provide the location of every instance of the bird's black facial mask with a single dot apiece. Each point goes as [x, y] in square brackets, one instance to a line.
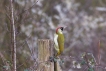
[61, 28]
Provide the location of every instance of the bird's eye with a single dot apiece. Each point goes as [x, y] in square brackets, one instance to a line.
[61, 28]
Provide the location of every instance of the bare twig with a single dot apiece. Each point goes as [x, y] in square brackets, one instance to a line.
[93, 58]
[87, 60]
[28, 8]
[8, 17]
[4, 61]
[22, 63]
[99, 52]
[85, 69]
[101, 67]
[13, 35]
[31, 6]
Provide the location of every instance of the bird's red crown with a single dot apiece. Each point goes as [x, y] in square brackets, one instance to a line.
[57, 29]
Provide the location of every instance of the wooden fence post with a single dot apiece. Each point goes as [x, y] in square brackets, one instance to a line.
[45, 50]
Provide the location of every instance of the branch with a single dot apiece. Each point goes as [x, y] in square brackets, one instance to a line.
[99, 52]
[28, 8]
[13, 35]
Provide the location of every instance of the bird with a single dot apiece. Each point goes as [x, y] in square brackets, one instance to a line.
[59, 41]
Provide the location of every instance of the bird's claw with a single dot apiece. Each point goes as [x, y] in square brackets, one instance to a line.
[54, 59]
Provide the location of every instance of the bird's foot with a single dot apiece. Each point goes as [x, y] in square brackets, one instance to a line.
[51, 59]
[54, 59]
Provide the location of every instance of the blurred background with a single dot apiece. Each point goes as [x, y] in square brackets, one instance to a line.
[38, 19]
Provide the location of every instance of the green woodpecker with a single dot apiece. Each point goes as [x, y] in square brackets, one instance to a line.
[59, 40]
